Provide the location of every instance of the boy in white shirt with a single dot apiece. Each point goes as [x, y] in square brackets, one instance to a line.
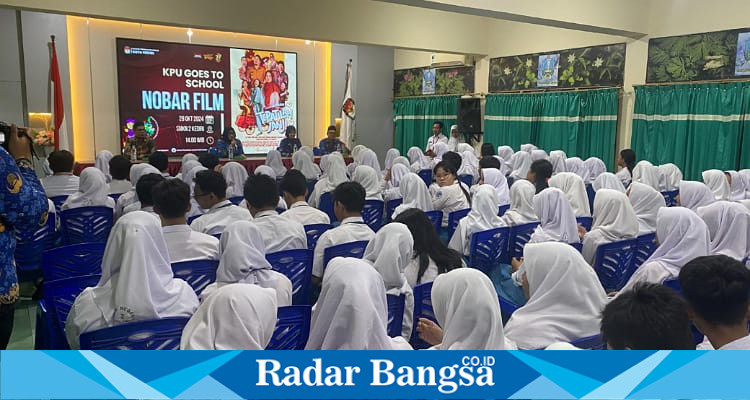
[348, 202]
[143, 190]
[171, 198]
[119, 168]
[294, 190]
[160, 161]
[279, 233]
[211, 194]
[716, 289]
[62, 182]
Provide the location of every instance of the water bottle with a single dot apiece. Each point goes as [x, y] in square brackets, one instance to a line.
[231, 152]
[133, 154]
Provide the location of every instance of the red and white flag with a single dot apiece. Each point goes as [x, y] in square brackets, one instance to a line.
[58, 109]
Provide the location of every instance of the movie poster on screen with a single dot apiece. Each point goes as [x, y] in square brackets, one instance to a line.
[742, 63]
[263, 97]
[548, 68]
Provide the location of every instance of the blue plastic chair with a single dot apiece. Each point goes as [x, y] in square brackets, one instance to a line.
[390, 207]
[310, 188]
[236, 200]
[58, 201]
[292, 328]
[518, 237]
[297, 266]
[510, 181]
[595, 342]
[396, 306]
[157, 334]
[59, 296]
[489, 248]
[313, 232]
[507, 309]
[115, 196]
[502, 210]
[426, 175]
[197, 273]
[372, 213]
[422, 309]
[31, 243]
[585, 222]
[351, 249]
[468, 180]
[326, 205]
[613, 263]
[86, 224]
[591, 193]
[453, 219]
[670, 197]
[436, 217]
[647, 244]
[73, 260]
[578, 246]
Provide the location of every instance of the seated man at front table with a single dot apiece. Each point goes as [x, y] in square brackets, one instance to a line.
[437, 136]
[62, 182]
[348, 202]
[290, 143]
[211, 194]
[142, 143]
[172, 202]
[279, 233]
[294, 188]
[332, 143]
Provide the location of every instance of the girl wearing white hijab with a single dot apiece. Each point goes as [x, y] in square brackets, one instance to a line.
[538, 154]
[187, 157]
[235, 175]
[418, 160]
[565, 298]
[505, 152]
[414, 194]
[390, 155]
[401, 160]
[682, 236]
[370, 159]
[493, 177]
[189, 178]
[389, 252]
[102, 162]
[352, 311]
[528, 148]
[736, 186]
[92, 191]
[645, 172]
[236, 317]
[521, 207]
[575, 165]
[483, 216]
[303, 163]
[369, 179]
[670, 177]
[729, 229]
[397, 172]
[557, 222]
[557, 159]
[464, 147]
[243, 260]
[694, 194]
[646, 203]
[465, 305]
[453, 140]
[521, 164]
[357, 149]
[595, 166]
[614, 220]
[608, 180]
[335, 175]
[572, 185]
[273, 160]
[439, 148]
[469, 165]
[137, 283]
[130, 197]
[718, 183]
[185, 168]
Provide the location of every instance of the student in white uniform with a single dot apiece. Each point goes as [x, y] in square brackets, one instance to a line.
[614, 220]
[273, 160]
[718, 184]
[736, 185]
[431, 256]
[160, 161]
[130, 197]
[187, 157]
[238, 316]
[414, 194]
[557, 159]
[348, 202]
[235, 175]
[521, 163]
[670, 177]
[576, 166]
[682, 236]
[143, 190]
[92, 191]
[729, 229]
[646, 202]
[390, 155]
[694, 195]
[465, 305]
[437, 137]
[482, 217]
[494, 178]
[539, 174]
[243, 260]
[448, 194]
[454, 140]
[521, 204]
[418, 160]
[538, 154]
[370, 159]
[62, 182]
[469, 165]
[137, 283]
[293, 188]
[572, 185]
[565, 298]
[102, 163]
[646, 173]
[401, 160]
[370, 180]
[440, 149]
[119, 168]
[351, 312]
[393, 180]
[189, 177]
[267, 171]
[171, 203]
[626, 162]
[303, 163]
[649, 317]
[279, 233]
[210, 193]
[608, 180]
[595, 167]
[556, 217]
[389, 252]
[335, 175]
[505, 152]
[716, 288]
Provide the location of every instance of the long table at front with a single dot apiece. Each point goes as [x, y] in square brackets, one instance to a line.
[250, 163]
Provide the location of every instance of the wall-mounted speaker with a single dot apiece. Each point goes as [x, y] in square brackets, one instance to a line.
[469, 116]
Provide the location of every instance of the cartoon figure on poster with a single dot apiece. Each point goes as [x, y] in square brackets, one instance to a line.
[547, 70]
[742, 65]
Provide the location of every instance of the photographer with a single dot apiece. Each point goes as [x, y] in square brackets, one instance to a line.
[22, 203]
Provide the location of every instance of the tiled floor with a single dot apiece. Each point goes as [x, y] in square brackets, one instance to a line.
[24, 326]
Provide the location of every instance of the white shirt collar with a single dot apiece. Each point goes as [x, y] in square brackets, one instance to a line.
[265, 213]
[176, 228]
[299, 204]
[742, 343]
[352, 220]
[219, 205]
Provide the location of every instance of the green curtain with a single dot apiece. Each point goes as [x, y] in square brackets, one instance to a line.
[695, 126]
[413, 118]
[581, 123]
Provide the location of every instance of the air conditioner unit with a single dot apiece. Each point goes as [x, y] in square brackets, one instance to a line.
[442, 60]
